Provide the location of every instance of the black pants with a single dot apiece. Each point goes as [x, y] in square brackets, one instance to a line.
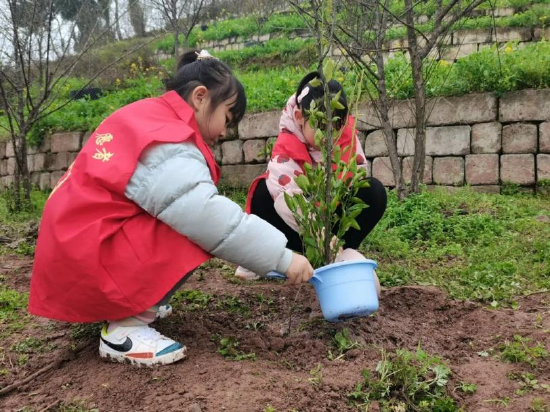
[375, 196]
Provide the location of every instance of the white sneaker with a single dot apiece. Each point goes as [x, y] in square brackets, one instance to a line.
[164, 311]
[139, 344]
[245, 274]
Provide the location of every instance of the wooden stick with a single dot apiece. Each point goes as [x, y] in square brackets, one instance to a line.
[67, 356]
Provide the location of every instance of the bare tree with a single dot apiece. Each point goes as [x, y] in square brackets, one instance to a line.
[181, 16]
[362, 27]
[137, 17]
[36, 63]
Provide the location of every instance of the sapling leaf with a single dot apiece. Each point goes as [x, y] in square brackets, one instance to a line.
[328, 69]
[315, 82]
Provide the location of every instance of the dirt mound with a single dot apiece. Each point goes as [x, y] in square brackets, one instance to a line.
[293, 348]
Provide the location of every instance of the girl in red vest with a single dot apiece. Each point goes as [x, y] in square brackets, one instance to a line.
[295, 146]
[138, 211]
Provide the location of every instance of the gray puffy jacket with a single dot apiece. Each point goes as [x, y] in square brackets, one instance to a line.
[173, 183]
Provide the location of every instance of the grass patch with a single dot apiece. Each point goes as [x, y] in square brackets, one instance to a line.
[406, 381]
[488, 248]
[520, 350]
[13, 310]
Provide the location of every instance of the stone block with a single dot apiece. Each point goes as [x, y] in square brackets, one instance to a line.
[49, 164]
[542, 34]
[525, 105]
[7, 181]
[232, 152]
[450, 140]
[62, 161]
[72, 157]
[30, 163]
[401, 115]
[2, 150]
[507, 34]
[490, 189]
[66, 142]
[3, 167]
[543, 167]
[9, 149]
[362, 138]
[448, 171]
[254, 151]
[231, 133]
[54, 178]
[241, 175]
[45, 181]
[35, 179]
[453, 53]
[405, 142]
[482, 169]
[46, 145]
[461, 37]
[375, 144]
[486, 137]
[406, 167]
[217, 151]
[85, 137]
[259, 125]
[519, 138]
[11, 166]
[504, 12]
[517, 168]
[544, 137]
[473, 108]
[382, 170]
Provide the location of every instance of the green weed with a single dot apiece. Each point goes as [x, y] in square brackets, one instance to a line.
[228, 349]
[539, 405]
[194, 299]
[528, 382]
[520, 351]
[316, 375]
[468, 388]
[342, 342]
[406, 381]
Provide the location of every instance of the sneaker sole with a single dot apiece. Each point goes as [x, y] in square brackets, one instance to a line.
[107, 354]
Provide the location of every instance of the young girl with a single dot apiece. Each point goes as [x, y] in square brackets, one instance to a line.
[138, 211]
[295, 146]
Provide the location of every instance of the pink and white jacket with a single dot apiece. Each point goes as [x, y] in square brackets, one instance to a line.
[290, 152]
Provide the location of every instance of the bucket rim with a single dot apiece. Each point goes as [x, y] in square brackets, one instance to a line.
[345, 263]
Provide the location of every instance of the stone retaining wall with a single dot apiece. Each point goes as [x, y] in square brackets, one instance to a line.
[479, 140]
[458, 44]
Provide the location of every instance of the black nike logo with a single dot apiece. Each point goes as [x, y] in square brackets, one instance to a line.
[121, 347]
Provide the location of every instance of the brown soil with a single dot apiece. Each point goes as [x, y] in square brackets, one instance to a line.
[284, 327]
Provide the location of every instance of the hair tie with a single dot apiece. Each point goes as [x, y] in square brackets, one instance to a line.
[302, 95]
[205, 55]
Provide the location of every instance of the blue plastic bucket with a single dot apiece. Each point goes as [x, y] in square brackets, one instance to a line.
[346, 289]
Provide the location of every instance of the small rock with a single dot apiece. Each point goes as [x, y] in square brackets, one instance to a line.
[352, 354]
[543, 218]
[277, 344]
[334, 395]
[195, 408]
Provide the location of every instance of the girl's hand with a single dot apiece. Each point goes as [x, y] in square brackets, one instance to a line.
[300, 270]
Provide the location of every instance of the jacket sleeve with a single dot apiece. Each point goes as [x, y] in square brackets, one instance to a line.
[172, 182]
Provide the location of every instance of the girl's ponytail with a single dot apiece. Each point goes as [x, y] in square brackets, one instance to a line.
[213, 74]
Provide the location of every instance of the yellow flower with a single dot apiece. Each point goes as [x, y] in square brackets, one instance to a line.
[508, 49]
[444, 63]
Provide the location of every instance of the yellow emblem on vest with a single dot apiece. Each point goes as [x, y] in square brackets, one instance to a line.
[104, 155]
[103, 138]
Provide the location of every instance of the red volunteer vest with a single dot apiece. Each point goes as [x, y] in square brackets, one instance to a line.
[289, 145]
[99, 256]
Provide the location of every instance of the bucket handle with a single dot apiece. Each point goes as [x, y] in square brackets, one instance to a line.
[277, 275]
